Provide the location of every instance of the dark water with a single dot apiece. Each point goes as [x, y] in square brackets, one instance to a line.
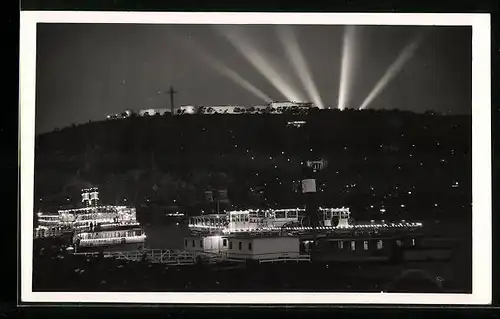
[170, 236]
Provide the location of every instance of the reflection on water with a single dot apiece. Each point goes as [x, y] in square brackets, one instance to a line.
[169, 236]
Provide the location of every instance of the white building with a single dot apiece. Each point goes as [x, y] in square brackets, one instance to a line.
[152, 112]
[188, 109]
[263, 248]
[208, 244]
[243, 248]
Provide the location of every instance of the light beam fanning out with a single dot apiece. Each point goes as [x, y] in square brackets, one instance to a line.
[292, 49]
[393, 70]
[230, 73]
[260, 63]
[346, 72]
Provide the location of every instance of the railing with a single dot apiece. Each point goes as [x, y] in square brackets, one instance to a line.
[298, 258]
[170, 257]
[179, 257]
[308, 229]
[266, 258]
[94, 242]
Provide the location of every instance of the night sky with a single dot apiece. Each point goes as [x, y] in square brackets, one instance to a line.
[86, 71]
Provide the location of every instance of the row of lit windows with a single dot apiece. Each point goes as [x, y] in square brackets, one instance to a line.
[104, 241]
[128, 233]
[240, 244]
[273, 215]
[380, 244]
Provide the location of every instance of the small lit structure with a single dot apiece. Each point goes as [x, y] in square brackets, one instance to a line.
[296, 124]
[317, 165]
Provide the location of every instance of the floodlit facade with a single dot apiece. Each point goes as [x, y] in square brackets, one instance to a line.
[270, 108]
[153, 112]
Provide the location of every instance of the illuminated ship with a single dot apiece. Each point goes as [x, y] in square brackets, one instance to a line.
[93, 225]
[310, 233]
[291, 227]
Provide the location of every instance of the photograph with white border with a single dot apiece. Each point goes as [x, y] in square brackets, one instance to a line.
[255, 158]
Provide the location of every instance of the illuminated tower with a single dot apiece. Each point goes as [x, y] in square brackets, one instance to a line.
[90, 196]
[94, 196]
[85, 197]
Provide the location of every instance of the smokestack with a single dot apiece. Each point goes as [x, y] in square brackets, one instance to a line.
[310, 196]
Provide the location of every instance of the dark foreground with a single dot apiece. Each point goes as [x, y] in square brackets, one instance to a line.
[55, 270]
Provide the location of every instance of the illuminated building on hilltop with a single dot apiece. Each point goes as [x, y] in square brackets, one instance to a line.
[125, 114]
[270, 108]
[153, 112]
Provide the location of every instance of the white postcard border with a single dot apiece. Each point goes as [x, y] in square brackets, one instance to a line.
[481, 153]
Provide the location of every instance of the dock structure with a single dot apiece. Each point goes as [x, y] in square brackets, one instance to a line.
[186, 258]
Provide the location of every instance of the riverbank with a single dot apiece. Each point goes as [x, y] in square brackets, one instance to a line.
[56, 270]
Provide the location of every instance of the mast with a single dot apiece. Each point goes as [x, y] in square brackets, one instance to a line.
[172, 92]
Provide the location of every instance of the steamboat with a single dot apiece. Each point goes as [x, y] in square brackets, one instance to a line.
[93, 226]
[312, 233]
[272, 234]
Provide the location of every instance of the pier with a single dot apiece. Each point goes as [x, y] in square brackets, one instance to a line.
[186, 258]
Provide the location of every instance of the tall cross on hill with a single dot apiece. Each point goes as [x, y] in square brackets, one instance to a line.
[172, 92]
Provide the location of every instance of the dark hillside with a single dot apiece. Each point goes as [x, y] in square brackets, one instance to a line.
[376, 159]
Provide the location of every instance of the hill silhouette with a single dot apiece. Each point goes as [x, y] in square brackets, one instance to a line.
[406, 163]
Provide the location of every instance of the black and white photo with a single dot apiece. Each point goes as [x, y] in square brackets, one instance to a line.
[255, 158]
